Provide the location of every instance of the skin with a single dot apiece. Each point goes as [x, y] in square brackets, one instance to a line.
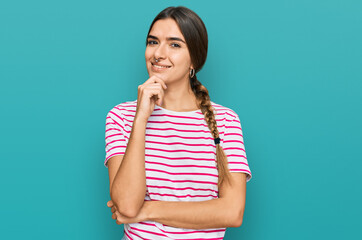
[173, 53]
[169, 88]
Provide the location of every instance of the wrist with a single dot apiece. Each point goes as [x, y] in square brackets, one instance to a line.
[139, 119]
[147, 207]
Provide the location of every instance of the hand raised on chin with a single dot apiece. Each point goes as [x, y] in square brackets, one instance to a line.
[151, 92]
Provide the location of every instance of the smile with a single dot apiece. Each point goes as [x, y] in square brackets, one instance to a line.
[160, 66]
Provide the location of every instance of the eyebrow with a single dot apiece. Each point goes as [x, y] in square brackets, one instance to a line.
[168, 39]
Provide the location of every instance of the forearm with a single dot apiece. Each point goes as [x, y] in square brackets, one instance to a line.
[129, 185]
[215, 213]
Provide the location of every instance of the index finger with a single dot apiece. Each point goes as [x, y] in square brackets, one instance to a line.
[155, 79]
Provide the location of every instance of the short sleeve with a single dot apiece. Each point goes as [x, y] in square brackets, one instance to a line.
[233, 146]
[114, 136]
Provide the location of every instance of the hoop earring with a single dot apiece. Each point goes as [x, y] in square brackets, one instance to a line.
[192, 73]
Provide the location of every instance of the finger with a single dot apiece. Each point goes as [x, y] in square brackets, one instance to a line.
[155, 79]
[114, 216]
[164, 86]
[113, 209]
[110, 203]
[160, 98]
[156, 96]
[153, 93]
[160, 91]
[118, 218]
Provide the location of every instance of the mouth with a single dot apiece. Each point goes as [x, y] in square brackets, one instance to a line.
[159, 66]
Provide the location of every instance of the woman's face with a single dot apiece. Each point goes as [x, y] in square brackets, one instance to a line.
[166, 43]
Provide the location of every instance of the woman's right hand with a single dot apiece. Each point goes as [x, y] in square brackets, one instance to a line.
[150, 93]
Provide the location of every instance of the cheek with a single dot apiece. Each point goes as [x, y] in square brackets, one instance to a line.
[148, 53]
[182, 60]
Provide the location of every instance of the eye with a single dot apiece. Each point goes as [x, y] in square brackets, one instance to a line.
[151, 42]
[175, 45]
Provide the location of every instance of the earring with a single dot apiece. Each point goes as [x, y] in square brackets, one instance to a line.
[192, 73]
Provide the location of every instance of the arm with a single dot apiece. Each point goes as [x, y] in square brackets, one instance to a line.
[225, 211]
[127, 173]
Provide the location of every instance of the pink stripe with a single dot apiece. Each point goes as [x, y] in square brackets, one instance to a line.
[185, 188]
[230, 114]
[177, 123]
[230, 141]
[115, 122]
[180, 181]
[236, 127]
[233, 134]
[238, 163]
[114, 148]
[115, 114]
[129, 115]
[237, 121]
[188, 232]
[133, 233]
[242, 170]
[187, 124]
[169, 136]
[176, 117]
[181, 130]
[149, 232]
[181, 143]
[206, 238]
[128, 235]
[115, 129]
[234, 148]
[117, 153]
[175, 174]
[234, 155]
[181, 196]
[117, 134]
[173, 116]
[157, 110]
[117, 140]
[167, 115]
[164, 150]
[182, 166]
[182, 158]
[127, 120]
[125, 109]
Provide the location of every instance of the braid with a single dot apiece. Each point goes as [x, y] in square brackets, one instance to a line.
[204, 103]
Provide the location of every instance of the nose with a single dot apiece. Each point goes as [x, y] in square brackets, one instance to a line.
[160, 52]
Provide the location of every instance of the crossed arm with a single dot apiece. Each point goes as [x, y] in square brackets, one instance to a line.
[225, 211]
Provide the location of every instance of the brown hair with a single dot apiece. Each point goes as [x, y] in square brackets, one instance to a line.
[195, 34]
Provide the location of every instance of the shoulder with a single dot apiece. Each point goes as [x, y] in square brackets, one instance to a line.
[123, 109]
[224, 112]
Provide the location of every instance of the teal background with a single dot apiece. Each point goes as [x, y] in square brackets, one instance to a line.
[290, 69]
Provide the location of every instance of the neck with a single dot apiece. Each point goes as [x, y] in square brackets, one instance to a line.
[179, 97]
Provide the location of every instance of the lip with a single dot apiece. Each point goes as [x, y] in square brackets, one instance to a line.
[156, 69]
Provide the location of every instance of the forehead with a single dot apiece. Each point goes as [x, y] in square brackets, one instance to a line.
[166, 28]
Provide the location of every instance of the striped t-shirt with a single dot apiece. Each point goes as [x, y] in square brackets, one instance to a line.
[180, 160]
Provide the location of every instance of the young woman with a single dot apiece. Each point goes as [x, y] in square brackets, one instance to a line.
[176, 160]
